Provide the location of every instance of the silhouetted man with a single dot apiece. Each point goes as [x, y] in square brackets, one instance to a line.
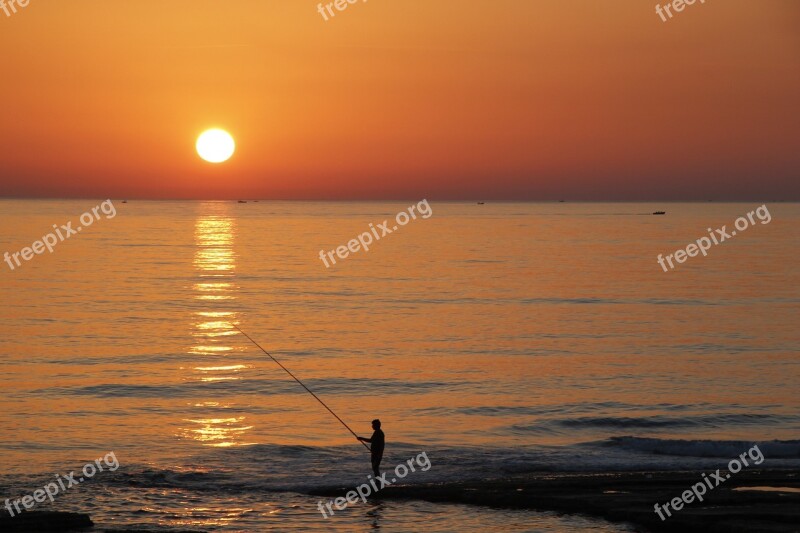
[378, 442]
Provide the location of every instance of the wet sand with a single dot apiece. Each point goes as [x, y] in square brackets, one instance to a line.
[44, 521]
[51, 522]
[630, 498]
[764, 501]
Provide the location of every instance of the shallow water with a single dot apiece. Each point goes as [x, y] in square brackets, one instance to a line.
[498, 339]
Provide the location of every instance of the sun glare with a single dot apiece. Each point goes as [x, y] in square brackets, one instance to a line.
[215, 146]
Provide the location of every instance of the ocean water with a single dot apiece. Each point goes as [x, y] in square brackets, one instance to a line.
[498, 339]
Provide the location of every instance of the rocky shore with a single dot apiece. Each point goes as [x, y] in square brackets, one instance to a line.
[764, 501]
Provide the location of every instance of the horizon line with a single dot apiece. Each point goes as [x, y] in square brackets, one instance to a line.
[409, 199]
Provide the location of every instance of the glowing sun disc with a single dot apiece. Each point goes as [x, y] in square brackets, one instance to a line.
[215, 146]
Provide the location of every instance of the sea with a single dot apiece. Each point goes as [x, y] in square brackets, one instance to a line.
[497, 339]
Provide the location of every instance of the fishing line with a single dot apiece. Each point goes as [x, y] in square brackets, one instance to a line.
[301, 384]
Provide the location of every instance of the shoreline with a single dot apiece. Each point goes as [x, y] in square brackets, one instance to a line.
[628, 497]
[618, 497]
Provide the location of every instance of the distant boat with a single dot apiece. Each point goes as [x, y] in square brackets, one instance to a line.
[481, 203]
[561, 201]
[242, 201]
[659, 212]
[124, 201]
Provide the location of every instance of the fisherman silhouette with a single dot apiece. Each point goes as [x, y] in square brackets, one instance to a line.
[378, 442]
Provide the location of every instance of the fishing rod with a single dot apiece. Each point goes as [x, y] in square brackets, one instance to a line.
[302, 385]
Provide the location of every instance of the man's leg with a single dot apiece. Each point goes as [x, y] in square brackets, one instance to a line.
[376, 463]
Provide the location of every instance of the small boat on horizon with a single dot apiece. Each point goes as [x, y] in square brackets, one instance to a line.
[659, 212]
[242, 201]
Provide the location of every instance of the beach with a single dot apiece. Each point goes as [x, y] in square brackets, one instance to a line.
[766, 501]
[758, 501]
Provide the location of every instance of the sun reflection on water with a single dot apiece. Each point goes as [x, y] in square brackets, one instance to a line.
[215, 289]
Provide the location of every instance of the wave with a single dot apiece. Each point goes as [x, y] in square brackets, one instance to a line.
[263, 468]
[262, 387]
[720, 420]
[775, 449]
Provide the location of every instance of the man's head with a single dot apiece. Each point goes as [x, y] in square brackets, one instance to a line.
[376, 424]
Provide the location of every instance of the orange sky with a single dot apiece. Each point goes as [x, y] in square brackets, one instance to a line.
[438, 99]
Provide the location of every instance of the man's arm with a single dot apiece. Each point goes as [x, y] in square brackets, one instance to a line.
[364, 439]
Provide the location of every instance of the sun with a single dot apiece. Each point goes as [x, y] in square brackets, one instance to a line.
[215, 146]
